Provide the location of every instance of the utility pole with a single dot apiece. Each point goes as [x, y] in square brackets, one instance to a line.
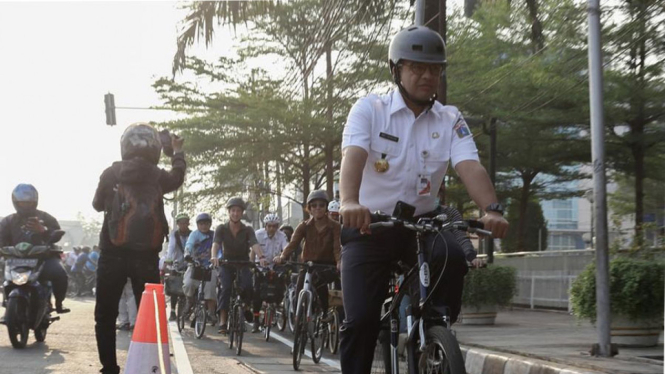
[420, 12]
[599, 191]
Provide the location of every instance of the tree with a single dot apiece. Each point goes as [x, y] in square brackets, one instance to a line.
[536, 228]
[534, 95]
[635, 94]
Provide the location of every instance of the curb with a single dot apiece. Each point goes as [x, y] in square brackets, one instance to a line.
[480, 361]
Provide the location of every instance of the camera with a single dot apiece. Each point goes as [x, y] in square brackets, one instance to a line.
[167, 146]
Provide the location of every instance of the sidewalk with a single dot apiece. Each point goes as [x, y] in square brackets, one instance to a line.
[537, 342]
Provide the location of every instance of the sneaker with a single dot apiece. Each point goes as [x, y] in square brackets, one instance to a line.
[223, 330]
[172, 317]
[124, 327]
[327, 317]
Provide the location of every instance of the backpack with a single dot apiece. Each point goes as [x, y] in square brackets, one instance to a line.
[136, 216]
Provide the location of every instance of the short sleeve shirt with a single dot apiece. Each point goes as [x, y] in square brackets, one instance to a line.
[417, 150]
[235, 248]
[271, 247]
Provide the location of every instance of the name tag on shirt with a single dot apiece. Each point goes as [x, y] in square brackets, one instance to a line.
[424, 185]
[392, 138]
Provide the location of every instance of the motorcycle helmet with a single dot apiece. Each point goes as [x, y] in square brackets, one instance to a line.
[25, 199]
[141, 140]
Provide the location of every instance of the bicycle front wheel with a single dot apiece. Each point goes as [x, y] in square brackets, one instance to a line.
[201, 318]
[280, 314]
[267, 322]
[231, 327]
[180, 313]
[239, 327]
[320, 334]
[442, 353]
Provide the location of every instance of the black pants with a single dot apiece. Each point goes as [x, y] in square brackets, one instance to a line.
[54, 272]
[366, 270]
[112, 272]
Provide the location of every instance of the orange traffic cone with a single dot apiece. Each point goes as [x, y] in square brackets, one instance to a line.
[149, 349]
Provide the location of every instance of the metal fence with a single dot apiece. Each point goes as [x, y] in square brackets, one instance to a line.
[544, 278]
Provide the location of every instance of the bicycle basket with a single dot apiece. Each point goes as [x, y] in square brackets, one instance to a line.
[271, 292]
[335, 298]
[173, 286]
[200, 274]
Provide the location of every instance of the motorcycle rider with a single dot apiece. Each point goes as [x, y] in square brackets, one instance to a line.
[78, 270]
[35, 227]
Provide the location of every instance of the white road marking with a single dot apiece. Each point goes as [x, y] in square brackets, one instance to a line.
[308, 353]
[179, 353]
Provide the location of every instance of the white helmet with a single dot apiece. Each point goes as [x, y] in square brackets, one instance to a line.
[333, 206]
[271, 218]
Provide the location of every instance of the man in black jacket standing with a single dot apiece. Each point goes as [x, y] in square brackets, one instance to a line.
[121, 195]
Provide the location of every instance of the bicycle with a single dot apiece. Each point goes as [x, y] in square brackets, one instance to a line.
[284, 314]
[199, 306]
[236, 315]
[431, 347]
[173, 288]
[335, 302]
[271, 297]
[309, 324]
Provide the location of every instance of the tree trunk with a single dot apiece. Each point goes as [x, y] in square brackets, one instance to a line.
[278, 172]
[524, 203]
[306, 175]
[537, 38]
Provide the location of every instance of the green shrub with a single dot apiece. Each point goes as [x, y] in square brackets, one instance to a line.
[636, 290]
[494, 285]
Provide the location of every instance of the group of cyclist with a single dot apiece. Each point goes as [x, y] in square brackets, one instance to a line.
[271, 247]
[395, 148]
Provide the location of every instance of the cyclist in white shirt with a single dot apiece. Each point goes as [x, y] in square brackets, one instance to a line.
[272, 242]
[397, 147]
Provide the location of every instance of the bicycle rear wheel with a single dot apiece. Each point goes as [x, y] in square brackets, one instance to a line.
[320, 334]
[239, 327]
[382, 361]
[442, 353]
[333, 331]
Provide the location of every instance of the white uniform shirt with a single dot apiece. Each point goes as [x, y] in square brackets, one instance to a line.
[271, 247]
[417, 150]
[70, 260]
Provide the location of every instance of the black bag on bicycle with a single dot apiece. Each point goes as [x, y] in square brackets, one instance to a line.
[199, 274]
[173, 286]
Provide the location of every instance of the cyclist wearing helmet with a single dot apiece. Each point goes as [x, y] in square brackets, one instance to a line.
[272, 242]
[333, 210]
[176, 251]
[233, 240]
[397, 147]
[322, 246]
[34, 226]
[140, 149]
[199, 244]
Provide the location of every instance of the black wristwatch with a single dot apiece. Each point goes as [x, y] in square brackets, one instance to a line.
[494, 207]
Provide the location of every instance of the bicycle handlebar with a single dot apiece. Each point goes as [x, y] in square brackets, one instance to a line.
[311, 264]
[428, 225]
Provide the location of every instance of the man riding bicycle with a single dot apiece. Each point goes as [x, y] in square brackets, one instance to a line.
[397, 148]
[175, 256]
[272, 242]
[233, 240]
[322, 245]
[198, 248]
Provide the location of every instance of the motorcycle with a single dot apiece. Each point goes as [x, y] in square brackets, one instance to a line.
[28, 301]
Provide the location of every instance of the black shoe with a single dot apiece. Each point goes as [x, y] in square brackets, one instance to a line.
[172, 317]
[60, 309]
[124, 327]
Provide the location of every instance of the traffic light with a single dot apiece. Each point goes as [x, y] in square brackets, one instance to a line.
[109, 103]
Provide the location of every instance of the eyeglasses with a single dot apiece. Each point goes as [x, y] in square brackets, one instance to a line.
[418, 68]
[317, 205]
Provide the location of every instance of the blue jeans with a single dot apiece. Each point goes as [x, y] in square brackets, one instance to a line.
[226, 277]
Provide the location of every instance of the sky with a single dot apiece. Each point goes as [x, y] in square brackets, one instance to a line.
[59, 59]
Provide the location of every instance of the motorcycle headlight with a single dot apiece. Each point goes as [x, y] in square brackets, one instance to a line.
[20, 278]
